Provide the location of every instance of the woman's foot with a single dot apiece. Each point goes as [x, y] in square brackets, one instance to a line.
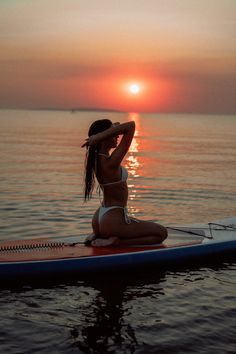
[89, 239]
[105, 242]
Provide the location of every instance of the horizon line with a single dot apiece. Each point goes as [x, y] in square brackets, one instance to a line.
[97, 109]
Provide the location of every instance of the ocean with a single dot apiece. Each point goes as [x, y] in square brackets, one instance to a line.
[181, 170]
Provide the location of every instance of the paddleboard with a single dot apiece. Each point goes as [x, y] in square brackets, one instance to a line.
[64, 256]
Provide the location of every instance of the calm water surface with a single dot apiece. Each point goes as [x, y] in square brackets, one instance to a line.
[181, 170]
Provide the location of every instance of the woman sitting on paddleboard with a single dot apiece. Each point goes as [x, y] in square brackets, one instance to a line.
[111, 223]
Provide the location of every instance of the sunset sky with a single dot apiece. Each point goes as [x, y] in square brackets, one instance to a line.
[180, 54]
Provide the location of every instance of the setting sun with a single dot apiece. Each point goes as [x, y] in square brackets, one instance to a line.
[134, 89]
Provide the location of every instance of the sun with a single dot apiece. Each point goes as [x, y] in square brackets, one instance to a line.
[134, 89]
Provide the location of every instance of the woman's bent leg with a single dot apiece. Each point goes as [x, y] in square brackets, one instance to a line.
[141, 232]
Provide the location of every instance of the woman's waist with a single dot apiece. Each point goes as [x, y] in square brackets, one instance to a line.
[115, 198]
[111, 203]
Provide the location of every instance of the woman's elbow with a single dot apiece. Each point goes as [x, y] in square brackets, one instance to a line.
[132, 124]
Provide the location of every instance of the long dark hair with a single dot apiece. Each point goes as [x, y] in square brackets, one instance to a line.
[91, 155]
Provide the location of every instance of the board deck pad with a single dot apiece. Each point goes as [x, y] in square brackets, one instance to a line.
[49, 249]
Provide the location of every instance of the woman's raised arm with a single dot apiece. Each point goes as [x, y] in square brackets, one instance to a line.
[121, 150]
[114, 130]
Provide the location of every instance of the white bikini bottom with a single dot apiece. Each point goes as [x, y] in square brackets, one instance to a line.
[103, 210]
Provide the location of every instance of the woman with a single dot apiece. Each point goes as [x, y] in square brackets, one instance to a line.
[111, 223]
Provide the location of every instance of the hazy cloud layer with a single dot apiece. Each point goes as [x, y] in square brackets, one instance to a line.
[80, 53]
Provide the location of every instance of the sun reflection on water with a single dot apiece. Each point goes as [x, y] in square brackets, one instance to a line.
[133, 164]
[132, 161]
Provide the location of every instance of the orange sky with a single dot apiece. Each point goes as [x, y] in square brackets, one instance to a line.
[75, 53]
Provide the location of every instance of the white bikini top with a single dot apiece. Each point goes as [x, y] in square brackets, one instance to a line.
[123, 178]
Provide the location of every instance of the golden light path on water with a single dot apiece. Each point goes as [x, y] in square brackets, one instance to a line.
[133, 163]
